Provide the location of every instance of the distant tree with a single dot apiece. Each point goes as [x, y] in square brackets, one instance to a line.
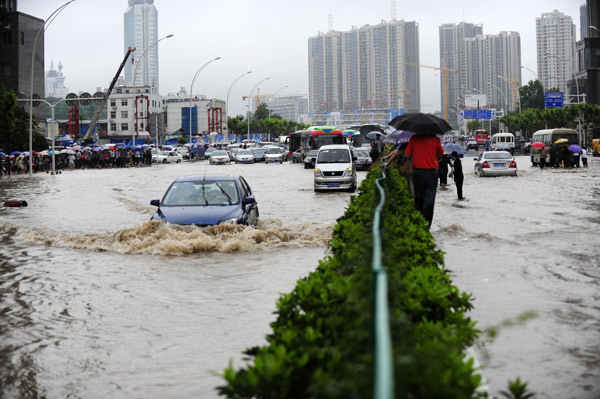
[532, 95]
[473, 125]
[14, 124]
[262, 112]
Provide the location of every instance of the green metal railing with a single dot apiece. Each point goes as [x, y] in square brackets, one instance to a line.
[384, 365]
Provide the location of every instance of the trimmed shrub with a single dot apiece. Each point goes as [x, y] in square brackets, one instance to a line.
[321, 342]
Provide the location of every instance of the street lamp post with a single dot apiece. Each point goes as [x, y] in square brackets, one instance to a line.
[35, 43]
[249, 99]
[501, 94]
[274, 94]
[191, 88]
[136, 130]
[227, 104]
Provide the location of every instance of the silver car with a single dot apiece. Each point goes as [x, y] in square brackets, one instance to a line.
[495, 163]
[219, 157]
[334, 168]
[244, 156]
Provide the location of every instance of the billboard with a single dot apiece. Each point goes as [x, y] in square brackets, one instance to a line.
[475, 101]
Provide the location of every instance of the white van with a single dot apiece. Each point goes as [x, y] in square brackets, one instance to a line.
[503, 141]
[334, 168]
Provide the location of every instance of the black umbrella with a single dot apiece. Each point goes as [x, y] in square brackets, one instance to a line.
[421, 124]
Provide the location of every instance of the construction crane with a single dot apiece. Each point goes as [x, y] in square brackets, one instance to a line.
[515, 84]
[101, 106]
[444, 80]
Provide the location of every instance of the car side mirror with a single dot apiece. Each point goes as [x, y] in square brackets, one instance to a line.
[354, 159]
[313, 159]
[474, 159]
[249, 200]
[155, 202]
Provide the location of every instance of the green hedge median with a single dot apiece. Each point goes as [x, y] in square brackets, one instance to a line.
[321, 343]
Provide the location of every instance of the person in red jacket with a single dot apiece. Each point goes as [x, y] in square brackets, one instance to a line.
[425, 151]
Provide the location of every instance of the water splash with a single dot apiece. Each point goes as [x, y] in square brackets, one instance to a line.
[157, 238]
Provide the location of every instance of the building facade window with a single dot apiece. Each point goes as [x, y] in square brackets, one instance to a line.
[113, 114]
[113, 103]
[124, 126]
[6, 70]
[113, 127]
[123, 103]
[124, 114]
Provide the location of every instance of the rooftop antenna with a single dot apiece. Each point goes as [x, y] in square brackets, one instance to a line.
[393, 9]
[330, 21]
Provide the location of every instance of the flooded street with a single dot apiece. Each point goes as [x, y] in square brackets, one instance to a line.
[99, 302]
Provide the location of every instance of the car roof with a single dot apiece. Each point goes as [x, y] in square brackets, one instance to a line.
[211, 177]
[334, 147]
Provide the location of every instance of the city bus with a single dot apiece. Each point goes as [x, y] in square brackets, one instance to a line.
[481, 136]
[549, 137]
[313, 138]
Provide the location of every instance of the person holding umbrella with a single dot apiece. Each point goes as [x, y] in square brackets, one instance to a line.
[424, 150]
[457, 174]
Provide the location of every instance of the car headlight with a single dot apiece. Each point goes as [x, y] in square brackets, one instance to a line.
[318, 172]
[349, 172]
[229, 221]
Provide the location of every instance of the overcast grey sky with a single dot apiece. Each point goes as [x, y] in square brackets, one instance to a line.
[268, 37]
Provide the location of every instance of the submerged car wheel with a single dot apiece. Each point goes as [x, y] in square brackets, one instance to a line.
[164, 161]
[179, 160]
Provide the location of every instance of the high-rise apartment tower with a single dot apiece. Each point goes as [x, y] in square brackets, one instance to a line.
[141, 32]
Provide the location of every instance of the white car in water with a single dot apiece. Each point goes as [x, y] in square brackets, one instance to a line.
[219, 157]
[274, 154]
[167, 157]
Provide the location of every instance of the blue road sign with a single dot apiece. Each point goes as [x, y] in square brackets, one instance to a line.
[485, 114]
[554, 99]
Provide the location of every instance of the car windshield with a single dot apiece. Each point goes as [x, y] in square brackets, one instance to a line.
[202, 193]
[498, 155]
[361, 153]
[244, 152]
[313, 153]
[165, 153]
[273, 150]
[334, 156]
[219, 152]
[258, 151]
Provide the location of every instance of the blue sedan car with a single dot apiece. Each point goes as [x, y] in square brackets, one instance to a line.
[208, 201]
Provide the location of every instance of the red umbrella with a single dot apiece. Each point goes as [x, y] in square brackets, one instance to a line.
[538, 144]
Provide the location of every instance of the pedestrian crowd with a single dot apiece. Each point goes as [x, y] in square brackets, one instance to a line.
[76, 158]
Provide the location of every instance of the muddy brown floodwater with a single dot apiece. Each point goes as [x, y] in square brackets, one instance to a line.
[96, 301]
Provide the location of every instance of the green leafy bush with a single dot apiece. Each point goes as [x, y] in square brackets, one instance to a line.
[321, 342]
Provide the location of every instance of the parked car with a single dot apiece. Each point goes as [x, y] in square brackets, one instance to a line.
[334, 168]
[495, 163]
[363, 159]
[167, 157]
[309, 161]
[244, 156]
[472, 145]
[219, 157]
[208, 200]
[259, 153]
[526, 148]
[274, 154]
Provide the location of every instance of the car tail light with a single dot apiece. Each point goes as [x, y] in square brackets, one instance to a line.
[485, 164]
[513, 164]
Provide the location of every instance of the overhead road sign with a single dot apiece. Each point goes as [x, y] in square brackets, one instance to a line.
[485, 114]
[554, 99]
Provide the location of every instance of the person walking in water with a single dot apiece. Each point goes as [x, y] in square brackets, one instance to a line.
[425, 152]
[457, 174]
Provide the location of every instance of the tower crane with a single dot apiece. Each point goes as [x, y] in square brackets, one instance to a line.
[444, 80]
